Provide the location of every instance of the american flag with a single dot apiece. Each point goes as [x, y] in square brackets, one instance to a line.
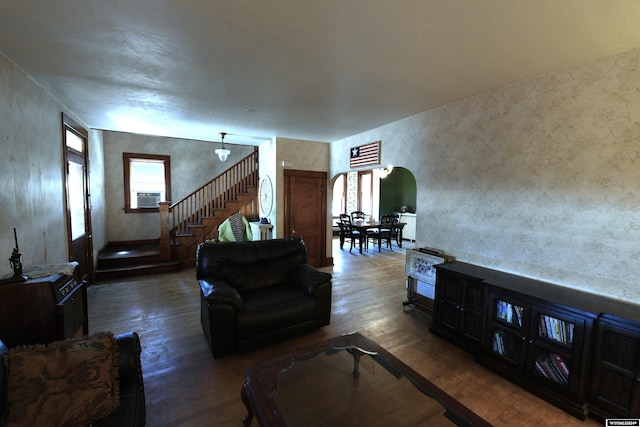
[365, 155]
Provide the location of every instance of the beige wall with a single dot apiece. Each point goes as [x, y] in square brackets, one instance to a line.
[298, 155]
[541, 178]
[268, 168]
[193, 163]
[31, 176]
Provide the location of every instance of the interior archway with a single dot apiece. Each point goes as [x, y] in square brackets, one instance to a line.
[374, 192]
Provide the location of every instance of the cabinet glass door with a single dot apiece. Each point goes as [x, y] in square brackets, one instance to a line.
[556, 330]
[507, 330]
[553, 366]
[554, 344]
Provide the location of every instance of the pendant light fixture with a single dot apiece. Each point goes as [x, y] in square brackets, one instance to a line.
[222, 152]
[384, 172]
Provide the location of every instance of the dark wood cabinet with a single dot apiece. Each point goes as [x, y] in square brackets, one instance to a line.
[615, 378]
[542, 346]
[459, 308]
[552, 340]
[42, 310]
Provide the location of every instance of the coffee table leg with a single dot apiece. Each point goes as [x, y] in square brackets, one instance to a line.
[246, 420]
[356, 363]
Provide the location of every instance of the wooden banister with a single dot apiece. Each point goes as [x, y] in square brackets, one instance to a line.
[213, 195]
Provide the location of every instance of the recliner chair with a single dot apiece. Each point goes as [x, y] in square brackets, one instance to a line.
[254, 293]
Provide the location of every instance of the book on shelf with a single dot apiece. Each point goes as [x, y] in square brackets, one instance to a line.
[560, 363]
[519, 310]
[501, 308]
[498, 343]
[542, 327]
[553, 367]
[508, 312]
[555, 329]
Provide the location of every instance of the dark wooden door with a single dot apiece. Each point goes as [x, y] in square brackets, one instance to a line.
[305, 211]
[615, 379]
[78, 207]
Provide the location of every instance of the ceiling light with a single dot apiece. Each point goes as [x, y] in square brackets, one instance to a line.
[222, 152]
[384, 172]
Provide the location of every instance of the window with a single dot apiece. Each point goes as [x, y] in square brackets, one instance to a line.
[356, 191]
[365, 185]
[339, 205]
[147, 181]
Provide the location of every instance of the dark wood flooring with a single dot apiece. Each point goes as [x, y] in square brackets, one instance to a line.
[185, 386]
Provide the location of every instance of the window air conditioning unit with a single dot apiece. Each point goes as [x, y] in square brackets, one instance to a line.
[148, 200]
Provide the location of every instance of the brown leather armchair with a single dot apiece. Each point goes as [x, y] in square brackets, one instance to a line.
[257, 292]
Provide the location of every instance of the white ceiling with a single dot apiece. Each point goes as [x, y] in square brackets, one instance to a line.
[316, 70]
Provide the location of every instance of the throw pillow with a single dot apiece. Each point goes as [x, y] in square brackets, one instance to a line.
[65, 383]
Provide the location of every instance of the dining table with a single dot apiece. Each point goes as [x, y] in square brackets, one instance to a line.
[363, 225]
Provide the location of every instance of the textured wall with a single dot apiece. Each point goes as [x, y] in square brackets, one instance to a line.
[31, 176]
[299, 155]
[268, 167]
[540, 178]
[98, 192]
[193, 163]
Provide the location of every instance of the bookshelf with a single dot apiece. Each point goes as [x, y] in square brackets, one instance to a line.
[512, 340]
[527, 337]
[507, 329]
[554, 362]
[577, 351]
[540, 345]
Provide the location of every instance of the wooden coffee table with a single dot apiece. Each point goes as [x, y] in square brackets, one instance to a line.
[348, 380]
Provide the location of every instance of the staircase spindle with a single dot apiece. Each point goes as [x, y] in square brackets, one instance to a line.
[214, 195]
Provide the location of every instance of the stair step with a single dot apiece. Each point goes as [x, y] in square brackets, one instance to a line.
[117, 255]
[186, 237]
[137, 270]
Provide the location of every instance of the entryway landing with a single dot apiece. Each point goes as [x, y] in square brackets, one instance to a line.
[126, 259]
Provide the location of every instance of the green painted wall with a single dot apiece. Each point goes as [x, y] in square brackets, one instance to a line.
[397, 190]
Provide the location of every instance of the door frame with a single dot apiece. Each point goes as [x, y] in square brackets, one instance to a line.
[68, 124]
[323, 176]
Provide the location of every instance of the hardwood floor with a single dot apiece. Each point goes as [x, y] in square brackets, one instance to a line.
[185, 386]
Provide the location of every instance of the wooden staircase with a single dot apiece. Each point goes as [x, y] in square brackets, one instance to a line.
[185, 224]
[196, 218]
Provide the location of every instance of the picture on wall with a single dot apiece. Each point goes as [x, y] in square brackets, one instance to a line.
[365, 155]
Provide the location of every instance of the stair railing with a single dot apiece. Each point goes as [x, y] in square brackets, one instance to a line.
[211, 196]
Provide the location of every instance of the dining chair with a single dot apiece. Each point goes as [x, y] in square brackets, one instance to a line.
[358, 216]
[387, 234]
[347, 232]
[369, 233]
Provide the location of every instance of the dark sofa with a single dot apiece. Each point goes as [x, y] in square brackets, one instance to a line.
[132, 410]
[258, 292]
